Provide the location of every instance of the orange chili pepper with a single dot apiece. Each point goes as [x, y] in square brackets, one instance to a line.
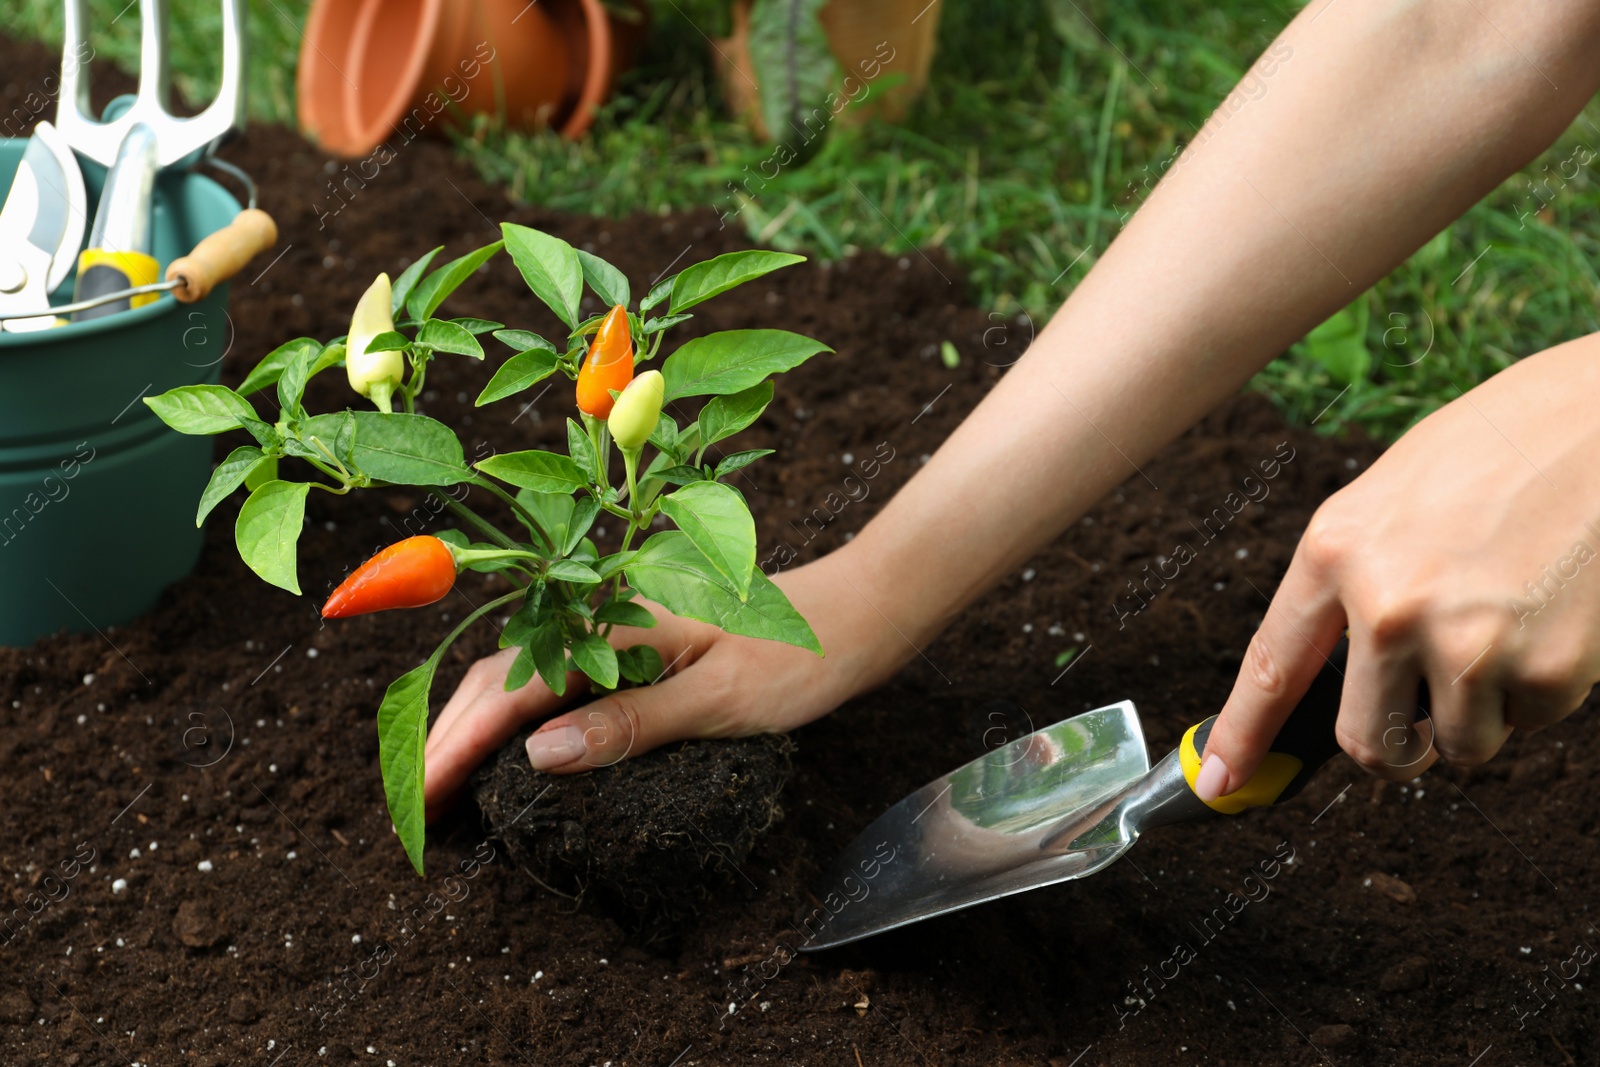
[609, 364]
[407, 574]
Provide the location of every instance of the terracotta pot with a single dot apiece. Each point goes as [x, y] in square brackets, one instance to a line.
[319, 82]
[601, 47]
[860, 33]
[373, 70]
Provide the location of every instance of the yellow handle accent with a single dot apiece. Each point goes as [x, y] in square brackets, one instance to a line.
[137, 267]
[1277, 770]
[222, 255]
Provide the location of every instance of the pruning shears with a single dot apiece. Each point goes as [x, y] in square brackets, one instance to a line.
[41, 228]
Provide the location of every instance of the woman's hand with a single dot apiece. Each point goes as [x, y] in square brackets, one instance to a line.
[715, 685]
[1384, 122]
[1467, 559]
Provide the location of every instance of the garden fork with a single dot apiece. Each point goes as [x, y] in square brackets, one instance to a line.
[117, 271]
[176, 138]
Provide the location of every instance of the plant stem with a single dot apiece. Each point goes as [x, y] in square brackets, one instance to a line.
[593, 425]
[343, 475]
[466, 556]
[630, 463]
[516, 505]
[419, 371]
[382, 395]
[480, 522]
[342, 479]
[479, 613]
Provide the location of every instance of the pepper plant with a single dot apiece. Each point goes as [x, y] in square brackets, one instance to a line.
[566, 597]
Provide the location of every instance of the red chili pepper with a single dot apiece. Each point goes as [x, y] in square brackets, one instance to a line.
[609, 364]
[407, 574]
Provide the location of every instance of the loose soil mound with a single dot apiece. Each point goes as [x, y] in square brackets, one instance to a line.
[193, 828]
[659, 839]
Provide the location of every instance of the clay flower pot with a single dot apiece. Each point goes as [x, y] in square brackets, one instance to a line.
[870, 39]
[372, 70]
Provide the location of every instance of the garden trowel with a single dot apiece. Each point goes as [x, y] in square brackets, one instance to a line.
[1060, 803]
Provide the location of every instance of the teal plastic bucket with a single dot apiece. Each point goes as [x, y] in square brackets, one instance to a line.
[97, 495]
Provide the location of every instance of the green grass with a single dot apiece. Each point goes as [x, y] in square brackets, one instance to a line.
[1042, 120]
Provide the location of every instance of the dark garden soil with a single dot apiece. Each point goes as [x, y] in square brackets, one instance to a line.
[246, 902]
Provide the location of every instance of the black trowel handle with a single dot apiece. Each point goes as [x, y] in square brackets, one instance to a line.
[1304, 744]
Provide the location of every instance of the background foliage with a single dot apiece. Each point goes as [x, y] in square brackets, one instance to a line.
[1042, 121]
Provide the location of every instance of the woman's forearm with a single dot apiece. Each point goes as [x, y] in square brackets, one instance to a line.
[1381, 122]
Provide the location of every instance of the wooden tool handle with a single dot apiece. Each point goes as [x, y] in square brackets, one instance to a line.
[222, 255]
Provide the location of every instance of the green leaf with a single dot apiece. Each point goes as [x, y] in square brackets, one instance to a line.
[228, 476]
[948, 355]
[202, 409]
[550, 656]
[670, 570]
[432, 290]
[296, 373]
[579, 446]
[597, 659]
[688, 439]
[443, 336]
[409, 449]
[715, 518]
[624, 613]
[550, 266]
[608, 567]
[271, 366]
[268, 532]
[402, 740]
[734, 360]
[543, 472]
[680, 474]
[332, 355]
[403, 285]
[1339, 345]
[583, 516]
[522, 340]
[521, 625]
[266, 435]
[663, 323]
[739, 460]
[554, 512]
[665, 435]
[262, 473]
[640, 664]
[389, 341]
[477, 326]
[608, 283]
[336, 432]
[658, 292]
[570, 570]
[522, 670]
[796, 71]
[725, 416]
[521, 371]
[702, 281]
